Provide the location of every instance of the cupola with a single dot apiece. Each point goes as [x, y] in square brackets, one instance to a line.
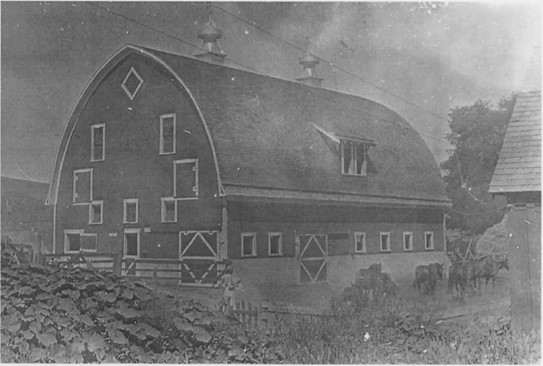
[309, 74]
[210, 35]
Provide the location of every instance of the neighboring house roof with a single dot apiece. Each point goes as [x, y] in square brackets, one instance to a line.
[519, 164]
[271, 138]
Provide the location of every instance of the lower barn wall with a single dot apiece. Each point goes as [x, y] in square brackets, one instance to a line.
[401, 266]
[265, 272]
[524, 228]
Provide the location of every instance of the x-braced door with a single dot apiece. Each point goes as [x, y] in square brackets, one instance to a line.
[199, 252]
[312, 257]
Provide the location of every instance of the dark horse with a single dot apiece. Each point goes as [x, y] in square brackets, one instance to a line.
[489, 266]
[426, 277]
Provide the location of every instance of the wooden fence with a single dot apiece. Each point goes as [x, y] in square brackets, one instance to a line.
[263, 316]
[157, 270]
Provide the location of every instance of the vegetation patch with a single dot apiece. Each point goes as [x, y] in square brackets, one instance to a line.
[64, 315]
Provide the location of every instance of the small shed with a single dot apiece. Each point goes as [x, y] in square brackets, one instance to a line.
[517, 176]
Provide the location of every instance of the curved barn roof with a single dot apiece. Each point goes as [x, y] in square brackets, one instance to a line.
[272, 138]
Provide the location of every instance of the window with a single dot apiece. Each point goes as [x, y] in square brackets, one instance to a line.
[385, 242]
[169, 209]
[98, 142]
[185, 184]
[248, 244]
[132, 83]
[96, 212]
[407, 240]
[360, 242]
[130, 211]
[353, 158]
[77, 240]
[131, 243]
[275, 244]
[429, 240]
[167, 134]
[82, 190]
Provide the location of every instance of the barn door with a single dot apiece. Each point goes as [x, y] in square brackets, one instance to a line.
[312, 257]
[199, 252]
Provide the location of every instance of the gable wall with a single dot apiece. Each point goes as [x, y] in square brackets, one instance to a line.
[133, 167]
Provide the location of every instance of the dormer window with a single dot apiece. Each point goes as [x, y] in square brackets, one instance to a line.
[353, 158]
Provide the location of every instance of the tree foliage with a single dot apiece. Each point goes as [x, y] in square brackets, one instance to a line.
[477, 133]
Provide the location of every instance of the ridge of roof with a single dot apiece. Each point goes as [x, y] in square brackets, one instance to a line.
[256, 72]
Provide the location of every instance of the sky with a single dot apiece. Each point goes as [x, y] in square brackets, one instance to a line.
[419, 59]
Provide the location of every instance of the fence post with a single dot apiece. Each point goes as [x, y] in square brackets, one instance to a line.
[117, 264]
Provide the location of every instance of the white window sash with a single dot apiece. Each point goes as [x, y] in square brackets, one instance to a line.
[161, 142]
[253, 244]
[127, 202]
[125, 243]
[357, 236]
[163, 209]
[279, 244]
[93, 147]
[91, 212]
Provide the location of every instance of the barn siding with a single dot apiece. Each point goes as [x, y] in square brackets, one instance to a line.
[133, 167]
[524, 227]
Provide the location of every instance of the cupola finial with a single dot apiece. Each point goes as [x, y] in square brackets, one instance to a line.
[210, 35]
[309, 62]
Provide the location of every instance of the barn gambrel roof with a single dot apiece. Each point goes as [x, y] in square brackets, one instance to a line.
[519, 164]
[268, 141]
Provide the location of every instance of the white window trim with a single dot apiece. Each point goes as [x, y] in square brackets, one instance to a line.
[66, 246]
[131, 231]
[93, 152]
[358, 234]
[74, 194]
[163, 208]
[195, 188]
[128, 93]
[125, 203]
[101, 203]
[364, 168]
[387, 233]
[280, 244]
[431, 247]
[161, 136]
[410, 233]
[253, 249]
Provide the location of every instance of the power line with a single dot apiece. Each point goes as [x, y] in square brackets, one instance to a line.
[332, 64]
[179, 39]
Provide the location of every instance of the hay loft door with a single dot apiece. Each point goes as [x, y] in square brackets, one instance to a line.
[199, 252]
[313, 257]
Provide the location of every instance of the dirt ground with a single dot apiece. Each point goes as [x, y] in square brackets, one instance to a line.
[486, 302]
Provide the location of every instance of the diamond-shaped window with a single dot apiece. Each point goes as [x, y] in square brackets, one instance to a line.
[132, 83]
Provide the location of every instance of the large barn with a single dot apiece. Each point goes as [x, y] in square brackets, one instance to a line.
[174, 157]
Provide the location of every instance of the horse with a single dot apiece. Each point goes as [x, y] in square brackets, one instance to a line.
[365, 279]
[488, 267]
[385, 287]
[460, 275]
[426, 277]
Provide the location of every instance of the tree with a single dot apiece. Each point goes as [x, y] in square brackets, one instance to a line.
[476, 137]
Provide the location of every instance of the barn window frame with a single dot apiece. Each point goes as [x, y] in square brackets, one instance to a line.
[138, 243]
[349, 150]
[126, 203]
[195, 188]
[81, 233]
[280, 244]
[163, 201]
[92, 214]
[357, 235]
[253, 245]
[409, 247]
[161, 133]
[94, 142]
[431, 246]
[74, 188]
[387, 235]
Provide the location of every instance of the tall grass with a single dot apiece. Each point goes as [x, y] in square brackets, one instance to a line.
[402, 332]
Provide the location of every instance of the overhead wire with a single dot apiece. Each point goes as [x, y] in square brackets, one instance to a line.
[179, 39]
